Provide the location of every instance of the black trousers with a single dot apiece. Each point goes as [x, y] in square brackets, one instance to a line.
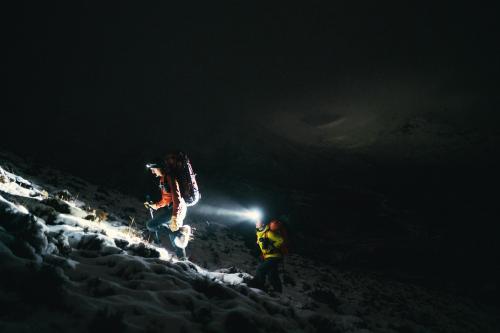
[269, 268]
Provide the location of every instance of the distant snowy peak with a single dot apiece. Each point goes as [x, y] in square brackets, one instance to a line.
[416, 135]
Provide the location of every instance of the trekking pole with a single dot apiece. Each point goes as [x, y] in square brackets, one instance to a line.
[148, 199]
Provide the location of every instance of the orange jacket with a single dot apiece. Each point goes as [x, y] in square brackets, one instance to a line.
[174, 196]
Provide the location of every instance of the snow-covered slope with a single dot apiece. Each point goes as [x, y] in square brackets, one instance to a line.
[63, 271]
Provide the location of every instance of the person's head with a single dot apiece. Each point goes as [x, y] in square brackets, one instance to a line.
[259, 224]
[158, 172]
[156, 168]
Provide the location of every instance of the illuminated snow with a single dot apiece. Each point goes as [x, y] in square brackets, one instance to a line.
[163, 294]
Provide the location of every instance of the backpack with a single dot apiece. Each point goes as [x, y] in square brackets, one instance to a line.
[187, 179]
[279, 227]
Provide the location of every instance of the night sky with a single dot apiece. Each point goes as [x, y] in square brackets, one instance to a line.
[399, 99]
[118, 80]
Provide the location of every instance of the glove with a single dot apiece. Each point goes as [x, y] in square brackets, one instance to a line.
[173, 224]
[147, 204]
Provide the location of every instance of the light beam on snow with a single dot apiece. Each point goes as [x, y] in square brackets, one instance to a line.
[111, 231]
[74, 223]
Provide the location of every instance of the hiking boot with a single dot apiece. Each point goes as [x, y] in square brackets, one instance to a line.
[183, 236]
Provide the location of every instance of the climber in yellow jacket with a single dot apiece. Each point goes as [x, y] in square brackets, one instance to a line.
[270, 242]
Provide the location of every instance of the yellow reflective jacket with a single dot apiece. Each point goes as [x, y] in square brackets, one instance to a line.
[269, 243]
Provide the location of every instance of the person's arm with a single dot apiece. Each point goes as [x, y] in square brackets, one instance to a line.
[263, 239]
[165, 200]
[175, 192]
[259, 233]
[258, 229]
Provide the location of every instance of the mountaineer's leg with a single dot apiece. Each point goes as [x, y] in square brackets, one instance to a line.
[156, 223]
[274, 276]
[179, 252]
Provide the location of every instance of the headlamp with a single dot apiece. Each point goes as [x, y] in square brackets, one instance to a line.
[151, 165]
[254, 215]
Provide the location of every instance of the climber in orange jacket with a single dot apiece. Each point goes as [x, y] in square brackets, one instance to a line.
[171, 207]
